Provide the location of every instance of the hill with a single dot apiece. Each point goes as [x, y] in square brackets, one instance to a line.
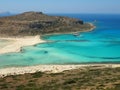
[34, 23]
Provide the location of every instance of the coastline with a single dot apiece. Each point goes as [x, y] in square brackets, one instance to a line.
[87, 30]
[50, 68]
[19, 42]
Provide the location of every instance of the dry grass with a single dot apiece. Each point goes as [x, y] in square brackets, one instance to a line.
[79, 79]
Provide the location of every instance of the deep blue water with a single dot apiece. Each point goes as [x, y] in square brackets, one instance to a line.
[102, 45]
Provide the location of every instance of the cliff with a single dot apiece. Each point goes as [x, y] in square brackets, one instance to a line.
[34, 23]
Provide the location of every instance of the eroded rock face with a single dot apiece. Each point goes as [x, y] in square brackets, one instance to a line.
[34, 23]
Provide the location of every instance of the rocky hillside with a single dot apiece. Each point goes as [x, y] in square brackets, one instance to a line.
[34, 23]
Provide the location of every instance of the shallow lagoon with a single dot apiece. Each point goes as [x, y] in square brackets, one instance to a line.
[101, 45]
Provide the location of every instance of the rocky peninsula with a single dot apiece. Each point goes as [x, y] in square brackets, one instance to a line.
[22, 29]
[37, 23]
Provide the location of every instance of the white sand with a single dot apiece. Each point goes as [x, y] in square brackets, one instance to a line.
[17, 43]
[50, 68]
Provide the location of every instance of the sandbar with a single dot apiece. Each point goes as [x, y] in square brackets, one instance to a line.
[18, 42]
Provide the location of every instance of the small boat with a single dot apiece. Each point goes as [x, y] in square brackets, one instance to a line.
[76, 34]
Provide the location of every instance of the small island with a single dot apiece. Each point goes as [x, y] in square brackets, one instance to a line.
[37, 23]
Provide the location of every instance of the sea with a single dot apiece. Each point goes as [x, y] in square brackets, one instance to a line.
[101, 45]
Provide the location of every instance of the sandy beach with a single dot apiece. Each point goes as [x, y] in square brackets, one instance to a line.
[15, 46]
[17, 43]
[50, 68]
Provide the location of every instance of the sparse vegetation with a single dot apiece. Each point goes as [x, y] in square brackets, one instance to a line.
[85, 79]
[34, 23]
[37, 75]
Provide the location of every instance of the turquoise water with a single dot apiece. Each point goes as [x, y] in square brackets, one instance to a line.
[102, 45]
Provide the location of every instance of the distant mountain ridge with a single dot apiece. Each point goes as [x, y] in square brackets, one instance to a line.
[34, 23]
[2, 14]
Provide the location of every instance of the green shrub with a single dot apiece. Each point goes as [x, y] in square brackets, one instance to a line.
[37, 74]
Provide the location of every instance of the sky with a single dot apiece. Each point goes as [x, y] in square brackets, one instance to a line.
[61, 6]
